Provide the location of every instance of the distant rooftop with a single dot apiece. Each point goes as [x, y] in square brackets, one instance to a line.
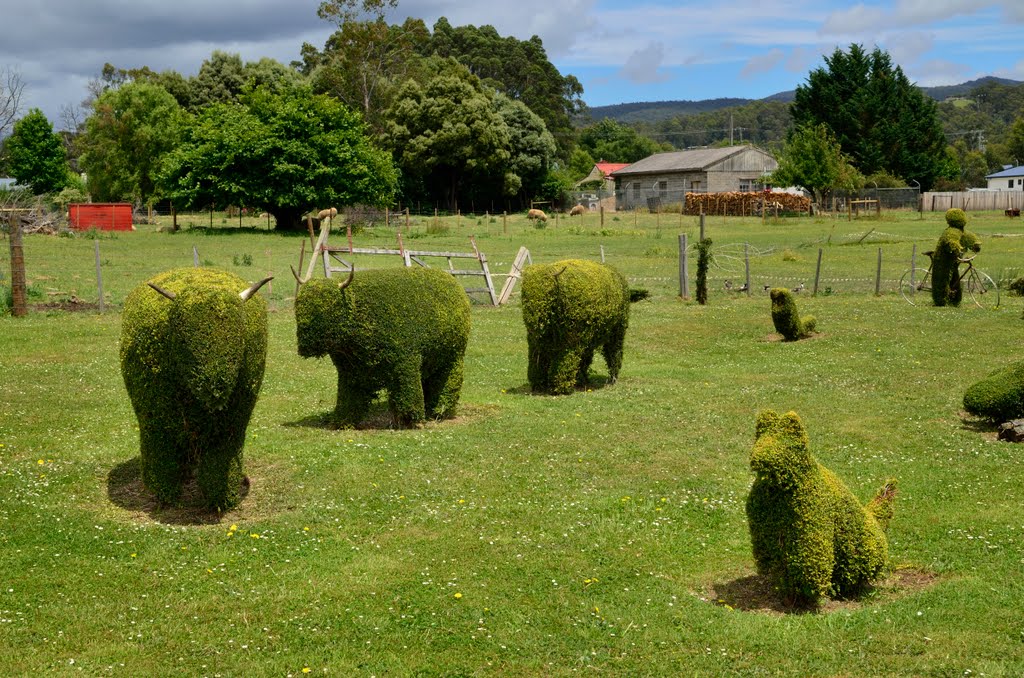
[1007, 173]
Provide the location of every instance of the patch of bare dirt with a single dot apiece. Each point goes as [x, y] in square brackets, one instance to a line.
[754, 593]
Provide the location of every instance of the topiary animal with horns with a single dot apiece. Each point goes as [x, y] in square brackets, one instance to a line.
[193, 351]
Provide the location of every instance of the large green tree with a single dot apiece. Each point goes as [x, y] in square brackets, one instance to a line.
[813, 159]
[364, 62]
[131, 129]
[36, 154]
[532, 149]
[517, 68]
[881, 120]
[447, 135]
[613, 141]
[281, 152]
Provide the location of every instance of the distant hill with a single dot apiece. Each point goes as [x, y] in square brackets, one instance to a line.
[663, 110]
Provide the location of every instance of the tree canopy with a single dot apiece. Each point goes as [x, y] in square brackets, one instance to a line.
[130, 131]
[517, 68]
[612, 141]
[36, 154]
[284, 152]
[447, 134]
[880, 119]
[813, 159]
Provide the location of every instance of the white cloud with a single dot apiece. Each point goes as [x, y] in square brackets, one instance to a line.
[643, 64]
[905, 48]
[939, 72]
[763, 63]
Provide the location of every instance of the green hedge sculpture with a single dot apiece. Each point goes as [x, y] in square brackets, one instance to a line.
[999, 396]
[403, 330]
[809, 534]
[787, 321]
[572, 308]
[193, 350]
[954, 243]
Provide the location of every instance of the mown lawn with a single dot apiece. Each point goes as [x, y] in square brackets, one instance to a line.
[602, 532]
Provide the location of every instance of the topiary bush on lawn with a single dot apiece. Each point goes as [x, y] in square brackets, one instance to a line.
[703, 263]
[808, 532]
[403, 330]
[999, 396]
[953, 244]
[572, 308]
[193, 351]
[787, 321]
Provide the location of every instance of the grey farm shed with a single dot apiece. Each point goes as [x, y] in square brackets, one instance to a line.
[667, 177]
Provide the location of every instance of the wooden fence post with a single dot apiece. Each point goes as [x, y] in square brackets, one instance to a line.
[913, 258]
[878, 274]
[817, 274]
[99, 277]
[746, 263]
[684, 277]
[19, 306]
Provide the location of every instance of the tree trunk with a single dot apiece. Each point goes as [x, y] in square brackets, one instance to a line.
[288, 219]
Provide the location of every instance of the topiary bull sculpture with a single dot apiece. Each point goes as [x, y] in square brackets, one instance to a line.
[193, 350]
[403, 330]
[571, 309]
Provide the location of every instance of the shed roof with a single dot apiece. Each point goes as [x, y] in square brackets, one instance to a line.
[609, 167]
[1012, 172]
[683, 161]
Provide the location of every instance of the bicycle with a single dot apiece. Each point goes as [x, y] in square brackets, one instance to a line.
[982, 290]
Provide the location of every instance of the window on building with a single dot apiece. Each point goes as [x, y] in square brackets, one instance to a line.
[694, 185]
[662, 188]
[1011, 183]
[636, 189]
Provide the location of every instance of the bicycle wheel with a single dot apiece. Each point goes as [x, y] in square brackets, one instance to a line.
[915, 283]
[983, 290]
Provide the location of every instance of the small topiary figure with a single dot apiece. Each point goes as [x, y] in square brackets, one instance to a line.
[999, 396]
[403, 330]
[703, 263]
[809, 534]
[953, 244]
[572, 308]
[787, 321]
[193, 350]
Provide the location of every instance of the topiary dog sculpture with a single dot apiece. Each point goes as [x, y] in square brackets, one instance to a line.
[809, 534]
[787, 321]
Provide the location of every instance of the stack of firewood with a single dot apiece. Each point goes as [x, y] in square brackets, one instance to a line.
[737, 204]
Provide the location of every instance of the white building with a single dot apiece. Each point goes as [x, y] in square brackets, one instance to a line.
[1009, 179]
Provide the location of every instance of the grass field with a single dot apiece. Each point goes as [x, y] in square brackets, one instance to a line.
[602, 532]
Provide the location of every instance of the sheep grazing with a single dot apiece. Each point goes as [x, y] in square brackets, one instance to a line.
[327, 214]
[537, 214]
[577, 210]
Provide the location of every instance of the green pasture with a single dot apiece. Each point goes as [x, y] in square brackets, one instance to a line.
[597, 533]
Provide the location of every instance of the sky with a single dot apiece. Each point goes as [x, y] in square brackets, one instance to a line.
[625, 51]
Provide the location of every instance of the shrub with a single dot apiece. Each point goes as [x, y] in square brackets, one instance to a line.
[953, 244]
[703, 263]
[999, 396]
[193, 366]
[787, 321]
[808, 532]
[572, 308]
[1016, 287]
[403, 330]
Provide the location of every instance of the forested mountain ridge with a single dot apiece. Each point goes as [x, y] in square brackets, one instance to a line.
[654, 111]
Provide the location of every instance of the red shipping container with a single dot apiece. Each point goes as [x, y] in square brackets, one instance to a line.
[105, 216]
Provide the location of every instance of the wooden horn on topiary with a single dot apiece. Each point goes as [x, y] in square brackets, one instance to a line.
[247, 294]
[169, 295]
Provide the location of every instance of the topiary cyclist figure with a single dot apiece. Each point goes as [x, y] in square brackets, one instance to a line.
[954, 242]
